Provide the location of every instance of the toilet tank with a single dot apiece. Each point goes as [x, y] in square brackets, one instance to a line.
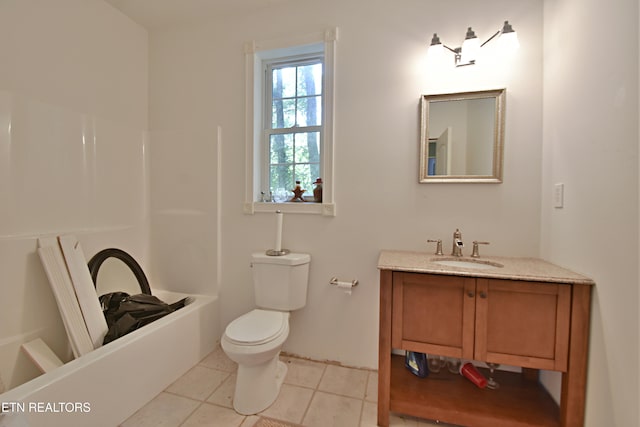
[280, 282]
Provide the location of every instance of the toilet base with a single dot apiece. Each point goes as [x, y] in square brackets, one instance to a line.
[258, 386]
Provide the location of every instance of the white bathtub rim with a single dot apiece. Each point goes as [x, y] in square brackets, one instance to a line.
[23, 391]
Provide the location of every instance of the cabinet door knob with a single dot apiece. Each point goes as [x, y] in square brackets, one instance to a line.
[470, 294]
[483, 294]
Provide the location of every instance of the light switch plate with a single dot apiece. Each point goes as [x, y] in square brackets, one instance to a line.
[558, 196]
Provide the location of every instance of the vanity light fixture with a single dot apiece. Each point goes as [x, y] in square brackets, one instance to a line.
[468, 52]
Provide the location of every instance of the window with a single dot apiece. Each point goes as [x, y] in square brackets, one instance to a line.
[290, 122]
[293, 123]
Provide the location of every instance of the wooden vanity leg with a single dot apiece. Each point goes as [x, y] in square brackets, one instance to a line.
[574, 381]
[384, 348]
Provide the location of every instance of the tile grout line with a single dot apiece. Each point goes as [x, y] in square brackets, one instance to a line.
[364, 399]
[191, 413]
[315, 390]
[205, 400]
[219, 386]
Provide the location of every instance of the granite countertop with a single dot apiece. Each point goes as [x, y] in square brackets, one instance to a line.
[513, 268]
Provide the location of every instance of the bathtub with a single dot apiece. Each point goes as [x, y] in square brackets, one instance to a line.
[109, 384]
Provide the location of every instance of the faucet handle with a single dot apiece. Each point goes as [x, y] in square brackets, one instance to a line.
[475, 253]
[438, 246]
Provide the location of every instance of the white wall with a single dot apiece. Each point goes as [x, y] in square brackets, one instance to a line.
[591, 145]
[184, 134]
[73, 115]
[197, 84]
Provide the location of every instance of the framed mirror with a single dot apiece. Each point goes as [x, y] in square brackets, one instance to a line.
[462, 137]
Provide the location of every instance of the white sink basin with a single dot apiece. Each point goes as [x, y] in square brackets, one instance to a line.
[476, 264]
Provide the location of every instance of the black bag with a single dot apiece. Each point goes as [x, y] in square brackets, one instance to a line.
[125, 313]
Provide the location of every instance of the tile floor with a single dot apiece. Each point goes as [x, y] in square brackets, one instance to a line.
[314, 394]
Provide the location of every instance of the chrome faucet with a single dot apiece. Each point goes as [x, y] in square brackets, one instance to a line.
[438, 245]
[457, 243]
[476, 253]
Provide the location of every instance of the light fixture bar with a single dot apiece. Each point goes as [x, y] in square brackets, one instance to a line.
[466, 54]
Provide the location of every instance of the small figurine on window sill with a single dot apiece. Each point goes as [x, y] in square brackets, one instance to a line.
[297, 193]
[317, 192]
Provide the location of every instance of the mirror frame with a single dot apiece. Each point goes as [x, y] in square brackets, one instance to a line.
[498, 140]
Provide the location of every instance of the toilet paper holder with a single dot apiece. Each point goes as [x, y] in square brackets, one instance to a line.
[335, 282]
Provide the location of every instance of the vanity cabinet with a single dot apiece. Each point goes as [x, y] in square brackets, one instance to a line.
[501, 321]
[532, 324]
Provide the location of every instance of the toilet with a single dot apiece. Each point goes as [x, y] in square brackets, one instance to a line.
[254, 340]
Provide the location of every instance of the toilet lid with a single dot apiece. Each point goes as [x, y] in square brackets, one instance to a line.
[256, 327]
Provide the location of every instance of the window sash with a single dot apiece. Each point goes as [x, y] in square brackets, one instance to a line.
[269, 130]
[294, 162]
[292, 61]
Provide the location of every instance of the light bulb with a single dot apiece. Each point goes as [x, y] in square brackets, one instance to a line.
[435, 53]
[470, 47]
[508, 40]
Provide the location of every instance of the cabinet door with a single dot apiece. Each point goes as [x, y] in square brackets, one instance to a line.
[433, 314]
[523, 323]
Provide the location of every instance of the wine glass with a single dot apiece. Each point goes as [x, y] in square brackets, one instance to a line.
[491, 383]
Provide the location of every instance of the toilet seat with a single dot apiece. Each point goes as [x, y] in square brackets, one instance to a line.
[257, 327]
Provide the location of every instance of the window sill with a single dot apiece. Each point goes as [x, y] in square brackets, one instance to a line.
[324, 209]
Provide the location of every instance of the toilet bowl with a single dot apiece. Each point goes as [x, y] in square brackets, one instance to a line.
[254, 341]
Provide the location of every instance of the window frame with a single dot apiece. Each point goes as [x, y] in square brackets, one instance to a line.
[256, 55]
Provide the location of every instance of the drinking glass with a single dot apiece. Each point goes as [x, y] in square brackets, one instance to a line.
[435, 363]
[280, 196]
[453, 364]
